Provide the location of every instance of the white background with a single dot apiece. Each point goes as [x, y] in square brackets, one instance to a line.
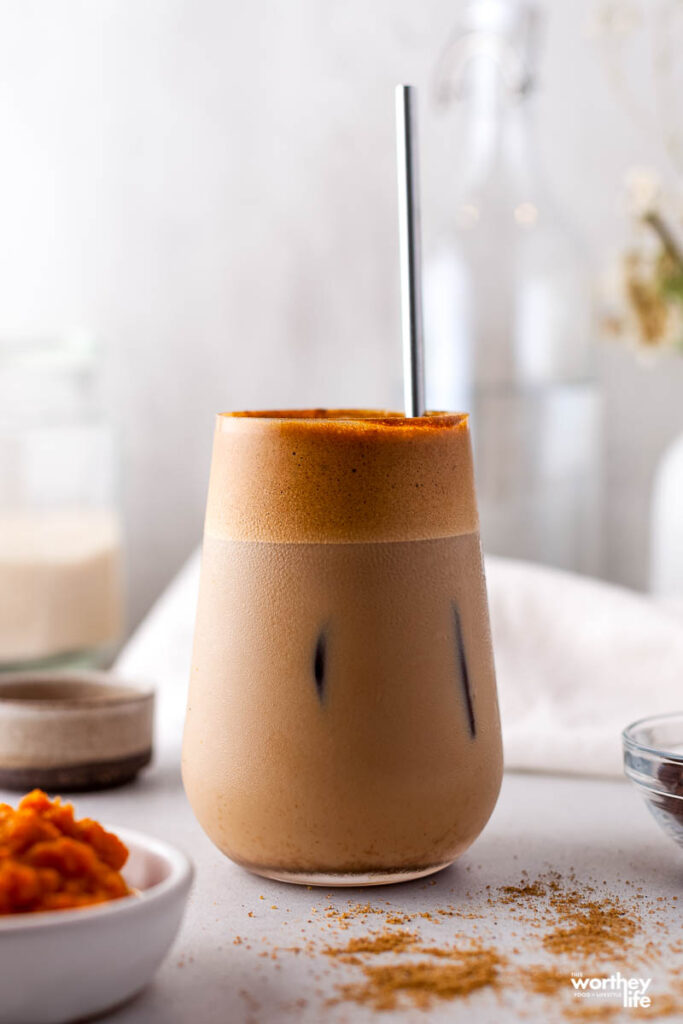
[209, 186]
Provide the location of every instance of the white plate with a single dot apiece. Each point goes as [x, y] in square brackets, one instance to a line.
[64, 965]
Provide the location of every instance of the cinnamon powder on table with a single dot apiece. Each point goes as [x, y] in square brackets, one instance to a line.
[423, 981]
[573, 926]
[381, 942]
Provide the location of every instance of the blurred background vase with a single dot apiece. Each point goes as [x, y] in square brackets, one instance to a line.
[642, 309]
[666, 549]
[650, 317]
[508, 308]
[61, 595]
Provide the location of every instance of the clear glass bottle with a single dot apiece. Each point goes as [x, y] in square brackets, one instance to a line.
[61, 588]
[508, 310]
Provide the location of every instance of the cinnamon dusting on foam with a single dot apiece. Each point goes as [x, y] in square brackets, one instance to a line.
[340, 476]
[356, 419]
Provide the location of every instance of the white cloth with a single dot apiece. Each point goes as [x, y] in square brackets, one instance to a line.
[577, 660]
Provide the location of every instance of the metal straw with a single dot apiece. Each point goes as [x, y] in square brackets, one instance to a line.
[410, 249]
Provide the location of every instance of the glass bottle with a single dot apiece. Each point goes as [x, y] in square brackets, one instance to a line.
[508, 317]
[61, 589]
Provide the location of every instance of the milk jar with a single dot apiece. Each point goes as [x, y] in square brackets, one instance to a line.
[61, 593]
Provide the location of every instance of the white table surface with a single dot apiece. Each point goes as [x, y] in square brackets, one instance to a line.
[601, 829]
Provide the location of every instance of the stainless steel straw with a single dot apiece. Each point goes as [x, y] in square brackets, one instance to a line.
[410, 249]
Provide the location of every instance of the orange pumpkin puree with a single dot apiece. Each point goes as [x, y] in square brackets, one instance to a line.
[49, 861]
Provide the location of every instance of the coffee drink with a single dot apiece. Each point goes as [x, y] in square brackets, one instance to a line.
[342, 723]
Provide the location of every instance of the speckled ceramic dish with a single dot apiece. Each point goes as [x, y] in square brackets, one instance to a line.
[67, 731]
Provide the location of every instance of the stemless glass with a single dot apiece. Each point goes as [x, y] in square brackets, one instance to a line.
[342, 723]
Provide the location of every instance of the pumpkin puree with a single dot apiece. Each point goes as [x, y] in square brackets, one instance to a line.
[49, 861]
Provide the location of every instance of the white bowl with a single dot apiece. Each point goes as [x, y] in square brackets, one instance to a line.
[63, 965]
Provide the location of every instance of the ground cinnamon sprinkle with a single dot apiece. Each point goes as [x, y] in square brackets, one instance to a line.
[544, 980]
[590, 927]
[578, 923]
[583, 924]
[512, 893]
[574, 927]
[380, 942]
[423, 981]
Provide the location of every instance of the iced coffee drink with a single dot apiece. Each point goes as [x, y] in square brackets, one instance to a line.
[342, 723]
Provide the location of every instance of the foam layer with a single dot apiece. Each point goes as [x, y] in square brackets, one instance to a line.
[335, 476]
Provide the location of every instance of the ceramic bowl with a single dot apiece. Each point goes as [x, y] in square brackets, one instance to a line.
[69, 731]
[66, 965]
[653, 761]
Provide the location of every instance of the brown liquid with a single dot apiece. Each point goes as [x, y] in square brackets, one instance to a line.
[342, 721]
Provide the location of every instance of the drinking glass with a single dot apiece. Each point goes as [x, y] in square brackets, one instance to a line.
[342, 723]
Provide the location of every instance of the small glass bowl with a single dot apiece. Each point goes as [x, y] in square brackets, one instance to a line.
[653, 760]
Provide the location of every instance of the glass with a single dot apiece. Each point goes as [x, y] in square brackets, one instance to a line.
[653, 761]
[342, 723]
[61, 589]
[508, 309]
